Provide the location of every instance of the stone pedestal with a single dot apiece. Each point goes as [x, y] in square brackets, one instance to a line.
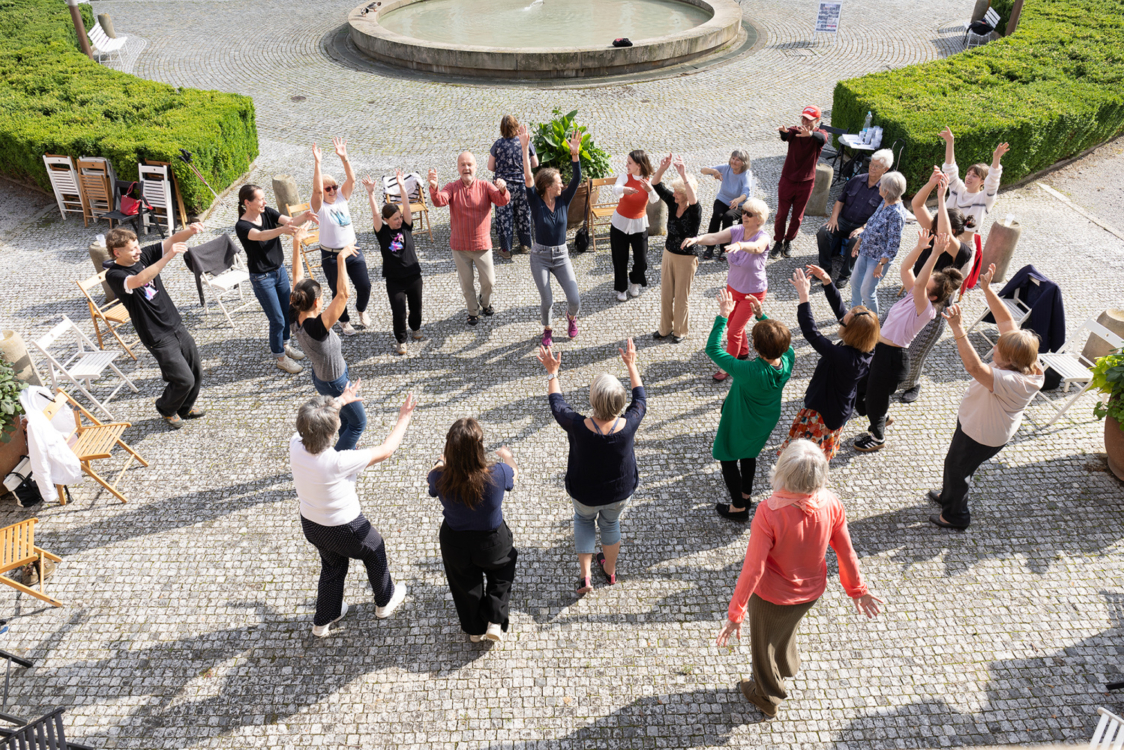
[14, 352]
[1000, 248]
[1097, 347]
[99, 255]
[980, 9]
[657, 219]
[285, 193]
[817, 204]
[106, 24]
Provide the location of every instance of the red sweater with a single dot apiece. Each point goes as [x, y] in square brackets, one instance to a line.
[784, 563]
[803, 153]
[470, 212]
[635, 205]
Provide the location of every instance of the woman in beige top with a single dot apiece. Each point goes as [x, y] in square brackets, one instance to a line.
[992, 408]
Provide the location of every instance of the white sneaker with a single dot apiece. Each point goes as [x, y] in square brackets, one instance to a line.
[417, 335]
[401, 348]
[364, 319]
[288, 365]
[395, 599]
[634, 290]
[293, 352]
[494, 633]
[321, 631]
[476, 638]
[347, 329]
[622, 296]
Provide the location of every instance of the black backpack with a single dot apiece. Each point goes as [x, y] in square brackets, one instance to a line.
[581, 240]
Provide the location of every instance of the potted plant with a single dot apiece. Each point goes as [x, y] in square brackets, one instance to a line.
[13, 444]
[1108, 378]
[550, 139]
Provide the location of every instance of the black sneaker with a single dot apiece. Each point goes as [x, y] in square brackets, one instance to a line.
[867, 443]
[914, 393]
[708, 254]
[786, 249]
[774, 252]
[473, 320]
[841, 282]
[723, 509]
[660, 336]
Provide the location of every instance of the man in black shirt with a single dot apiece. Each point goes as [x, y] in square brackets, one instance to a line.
[135, 278]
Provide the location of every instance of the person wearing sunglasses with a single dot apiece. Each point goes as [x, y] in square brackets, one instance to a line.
[329, 201]
[830, 398]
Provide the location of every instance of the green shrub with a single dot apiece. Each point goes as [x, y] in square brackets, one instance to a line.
[1052, 89]
[55, 100]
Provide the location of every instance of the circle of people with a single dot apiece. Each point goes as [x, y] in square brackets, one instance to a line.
[784, 572]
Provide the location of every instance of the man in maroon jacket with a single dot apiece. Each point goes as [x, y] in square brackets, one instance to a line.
[798, 176]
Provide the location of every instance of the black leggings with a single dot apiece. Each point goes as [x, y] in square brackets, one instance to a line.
[888, 368]
[739, 482]
[620, 243]
[723, 217]
[356, 271]
[401, 292]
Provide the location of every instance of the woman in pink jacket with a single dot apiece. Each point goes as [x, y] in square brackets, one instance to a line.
[785, 572]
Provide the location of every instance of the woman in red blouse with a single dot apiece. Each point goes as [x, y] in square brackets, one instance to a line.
[785, 572]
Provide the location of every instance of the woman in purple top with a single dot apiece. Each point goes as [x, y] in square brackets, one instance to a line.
[747, 249]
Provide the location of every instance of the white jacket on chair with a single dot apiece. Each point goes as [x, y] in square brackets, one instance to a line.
[52, 461]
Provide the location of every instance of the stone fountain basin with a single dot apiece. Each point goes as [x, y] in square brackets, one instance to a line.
[372, 39]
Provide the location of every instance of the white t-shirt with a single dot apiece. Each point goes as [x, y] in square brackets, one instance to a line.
[326, 482]
[336, 230]
[992, 417]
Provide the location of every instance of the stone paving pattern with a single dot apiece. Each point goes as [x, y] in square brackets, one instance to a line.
[189, 609]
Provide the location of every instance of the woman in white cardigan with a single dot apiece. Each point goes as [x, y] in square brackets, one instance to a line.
[976, 194]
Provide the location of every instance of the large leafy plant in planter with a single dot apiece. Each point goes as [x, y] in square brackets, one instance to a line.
[10, 406]
[550, 139]
[1108, 378]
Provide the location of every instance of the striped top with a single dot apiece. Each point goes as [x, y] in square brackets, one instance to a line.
[975, 205]
[470, 212]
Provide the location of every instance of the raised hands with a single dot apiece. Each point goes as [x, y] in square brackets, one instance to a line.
[944, 244]
[341, 148]
[351, 393]
[1000, 150]
[549, 361]
[505, 453]
[575, 144]
[952, 315]
[987, 276]
[819, 273]
[946, 134]
[401, 180]
[725, 303]
[680, 166]
[524, 136]
[316, 154]
[801, 283]
[628, 356]
[924, 237]
[196, 227]
[432, 179]
[666, 162]
[407, 409]
[755, 305]
[369, 184]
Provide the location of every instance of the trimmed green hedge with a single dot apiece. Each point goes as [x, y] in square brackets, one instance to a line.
[55, 100]
[1052, 89]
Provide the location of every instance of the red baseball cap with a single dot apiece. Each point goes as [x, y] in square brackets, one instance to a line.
[812, 112]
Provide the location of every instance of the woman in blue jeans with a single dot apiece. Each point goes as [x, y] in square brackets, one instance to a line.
[312, 325]
[259, 229]
[601, 473]
[881, 240]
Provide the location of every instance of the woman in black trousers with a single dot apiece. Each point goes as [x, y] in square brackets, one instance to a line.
[476, 544]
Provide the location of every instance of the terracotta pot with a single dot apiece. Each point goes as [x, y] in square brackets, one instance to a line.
[1114, 446]
[11, 452]
[578, 206]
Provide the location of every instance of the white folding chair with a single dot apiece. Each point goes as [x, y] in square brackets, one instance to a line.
[156, 187]
[225, 283]
[1109, 733]
[1074, 366]
[64, 181]
[84, 365]
[1018, 309]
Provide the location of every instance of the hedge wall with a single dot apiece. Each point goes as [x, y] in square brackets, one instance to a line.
[55, 100]
[1052, 89]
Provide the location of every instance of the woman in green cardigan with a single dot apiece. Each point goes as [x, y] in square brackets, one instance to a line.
[753, 406]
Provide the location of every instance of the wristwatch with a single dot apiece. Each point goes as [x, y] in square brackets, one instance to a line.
[551, 376]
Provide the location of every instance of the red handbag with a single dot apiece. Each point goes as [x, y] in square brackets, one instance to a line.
[130, 206]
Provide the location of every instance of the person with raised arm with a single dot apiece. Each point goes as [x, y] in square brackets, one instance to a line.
[135, 278]
[259, 228]
[736, 188]
[976, 194]
[312, 327]
[747, 249]
[470, 204]
[908, 316]
[394, 229]
[331, 518]
[477, 549]
[330, 202]
[601, 471]
[798, 177]
[830, 397]
[992, 408]
[550, 208]
[629, 225]
[679, 263]
[785, 571]
[753, 406]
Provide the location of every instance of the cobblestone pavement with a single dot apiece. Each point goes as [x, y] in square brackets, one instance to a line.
[188, 610]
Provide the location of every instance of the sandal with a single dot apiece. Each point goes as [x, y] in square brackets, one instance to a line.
[584, 586]
[612, 579]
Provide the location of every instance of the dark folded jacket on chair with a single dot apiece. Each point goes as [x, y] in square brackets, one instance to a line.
[214, 257]
[1044, 298]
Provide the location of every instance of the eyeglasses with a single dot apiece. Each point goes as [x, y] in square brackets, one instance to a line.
[331, 188]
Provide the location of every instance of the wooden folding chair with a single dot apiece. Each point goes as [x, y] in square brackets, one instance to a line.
[112, 314]
[418, 207]
[312, 236]
[64, 181]
[599, 213]
[94, 441]
[98, 196]
[17, 548]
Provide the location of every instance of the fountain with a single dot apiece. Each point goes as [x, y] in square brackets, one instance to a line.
[518, 39]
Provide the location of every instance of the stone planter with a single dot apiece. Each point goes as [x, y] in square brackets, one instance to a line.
[657, 219]
[1114, 446]
[98, 256]
[285, 193]
[1000, 248]
[1097, 347]
[15, 353]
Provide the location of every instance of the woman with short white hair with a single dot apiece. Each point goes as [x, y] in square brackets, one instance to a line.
[785, 572]
[678, 266]
[881, 240]
[330, 514]
[601, 473]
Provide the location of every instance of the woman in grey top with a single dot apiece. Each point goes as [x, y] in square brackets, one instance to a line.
[312, 326]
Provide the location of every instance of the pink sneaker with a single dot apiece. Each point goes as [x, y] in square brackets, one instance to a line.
[547, 338]
[572, 327]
